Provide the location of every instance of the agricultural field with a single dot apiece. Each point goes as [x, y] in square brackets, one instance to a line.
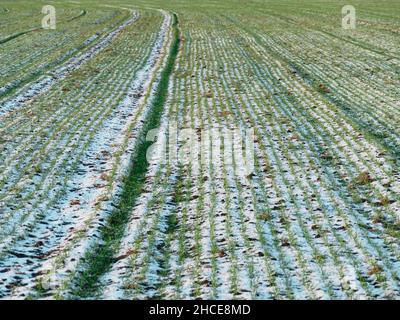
[189, 149]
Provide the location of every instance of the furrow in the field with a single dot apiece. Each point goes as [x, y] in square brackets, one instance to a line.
[146, 244]
[55, 147]
[70, 228]
[361, 71]
[203, 90]
[345, 193]
[357, 151]
[378, 191]
[26, 136]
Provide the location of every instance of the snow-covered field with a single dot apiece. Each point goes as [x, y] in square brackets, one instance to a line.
[307, 206]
